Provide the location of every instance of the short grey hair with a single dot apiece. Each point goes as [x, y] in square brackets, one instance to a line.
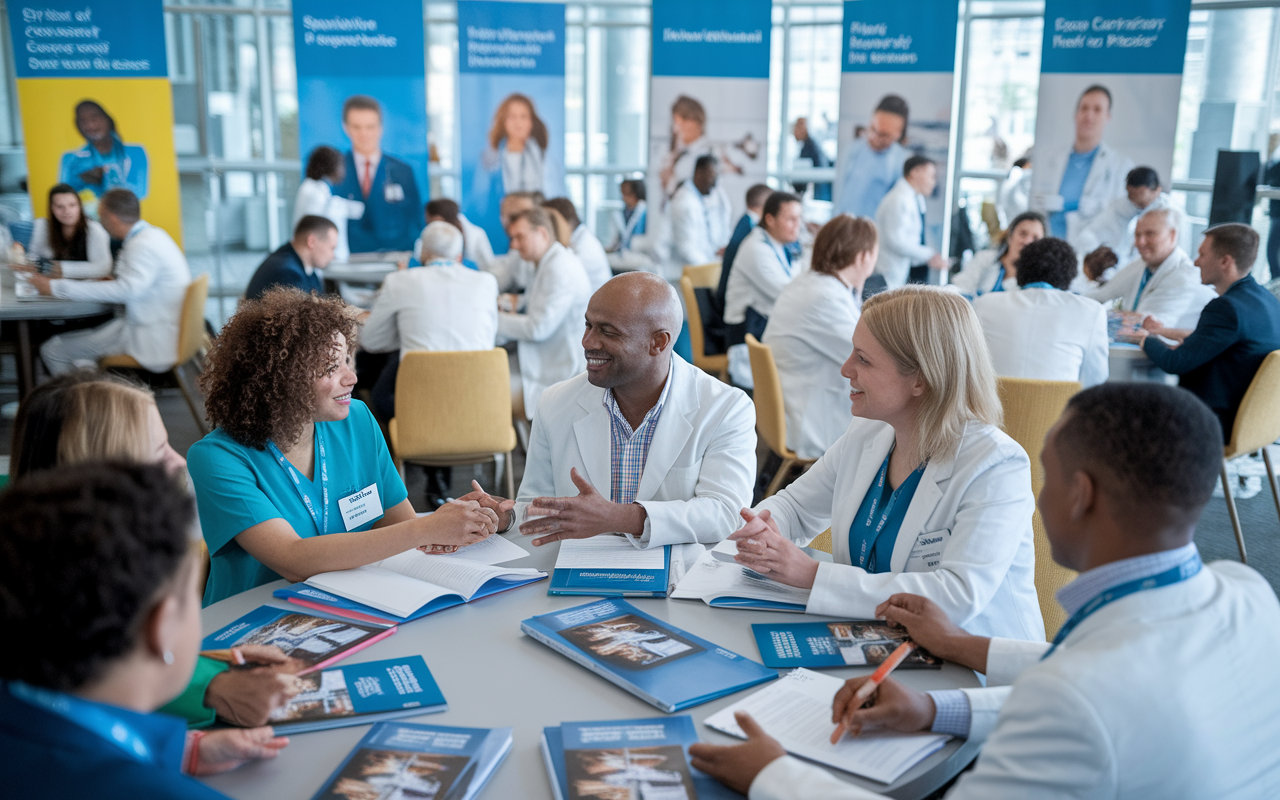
[1173, 217]
[440, 240]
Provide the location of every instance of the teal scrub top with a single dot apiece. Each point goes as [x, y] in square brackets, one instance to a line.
[238, 487]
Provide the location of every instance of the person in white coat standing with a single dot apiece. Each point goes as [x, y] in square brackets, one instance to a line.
[644, 444]
[1136, 697]
[904, 251]
[583, 243]
[547, 330]
[1045, 332]
[924, 493]
[811, 333]
[699, 214]
[150, 282]
[996, 270]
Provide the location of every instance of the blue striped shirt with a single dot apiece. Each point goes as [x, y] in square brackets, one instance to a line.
[630, 448]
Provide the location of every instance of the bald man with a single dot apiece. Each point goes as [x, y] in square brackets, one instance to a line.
[642, 443]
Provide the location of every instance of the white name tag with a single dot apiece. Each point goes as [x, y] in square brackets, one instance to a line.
[361, 508]
[926, 553]
[393, 193]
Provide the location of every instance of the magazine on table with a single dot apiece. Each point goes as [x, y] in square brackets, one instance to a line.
[842, 643]
[357, 694]
[311, 642]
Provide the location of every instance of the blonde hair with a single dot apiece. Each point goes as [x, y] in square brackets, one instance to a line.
[559, 225]
[105, 420]
[934, 333]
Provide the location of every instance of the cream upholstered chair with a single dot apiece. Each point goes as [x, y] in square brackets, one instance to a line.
[1257, 425]
[704, 276]
[771, 416]
[717, 365]
[1030, 409]
[453, 408]
[191, 340]
[823, 542]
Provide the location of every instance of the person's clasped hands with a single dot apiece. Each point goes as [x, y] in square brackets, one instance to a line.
[473, 522]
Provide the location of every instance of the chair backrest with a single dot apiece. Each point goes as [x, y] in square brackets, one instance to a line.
[697, 335]
[771, 417]
[453, 403]
[191, 328]
[1258, 420]
[991, 218]
[1030, 409]
[822, 542]
[703, 275]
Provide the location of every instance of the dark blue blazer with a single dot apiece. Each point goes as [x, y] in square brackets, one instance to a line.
[282, 268]
[384, 226]
[1218, 360]
[46, 755]
[726, 264]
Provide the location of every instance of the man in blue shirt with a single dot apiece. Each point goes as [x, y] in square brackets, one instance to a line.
[875, 161]
[393, 211]
[296, 262]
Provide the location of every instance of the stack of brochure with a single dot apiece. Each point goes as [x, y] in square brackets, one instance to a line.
[611, 566]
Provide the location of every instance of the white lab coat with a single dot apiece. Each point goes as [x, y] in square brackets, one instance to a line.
[701, 467]
[512, 272]
[760, 273]
[1045, 334]
[98, 241]
[1140, 701]
[980, 502]
[316, 197]
[439, 307]
[1014, 195]
[811, 334]
[591, 253]
[1173, 295]
[900, 222]
[682, 162]
[979, 275]
[475, 244]
[151, 283]
[699, 227]
[1115, 224]
[1105, 182]
[549, 332]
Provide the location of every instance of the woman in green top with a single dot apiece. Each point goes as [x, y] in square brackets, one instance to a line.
[296, 479]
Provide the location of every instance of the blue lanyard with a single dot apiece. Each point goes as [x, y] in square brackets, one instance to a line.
[1181, 572]
[999, 287]
[322, 522]
[872, 521]
[138, 227]
[92, 716]
[1040, 285]
[1146, 276]
[779, 253]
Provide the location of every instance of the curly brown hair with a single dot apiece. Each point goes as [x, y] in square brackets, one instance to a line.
[259, 377]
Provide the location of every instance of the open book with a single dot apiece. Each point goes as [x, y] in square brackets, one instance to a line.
[406, 586]
[719, 581]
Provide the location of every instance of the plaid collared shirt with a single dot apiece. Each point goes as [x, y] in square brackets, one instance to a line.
[630, 449]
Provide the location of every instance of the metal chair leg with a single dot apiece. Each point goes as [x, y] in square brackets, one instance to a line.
[1231, 511]
[780, 476]
[191, 405]
[509, 467]
[1271, 478]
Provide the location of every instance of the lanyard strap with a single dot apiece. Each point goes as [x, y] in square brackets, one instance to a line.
[1181, 572]
[1142, 284]
[779, 253]
[999, 287]
[1040, 285]
[874, 519]
[94, 717]
[321, 519]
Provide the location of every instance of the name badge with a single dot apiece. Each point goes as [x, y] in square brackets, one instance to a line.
[361, 508]
[926, 553]
[393, 193]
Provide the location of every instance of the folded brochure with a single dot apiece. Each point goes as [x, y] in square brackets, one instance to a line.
[357, 694]
[842, 643]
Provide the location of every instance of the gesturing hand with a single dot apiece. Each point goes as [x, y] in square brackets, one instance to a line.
[222, 751]
[581, 517]
[763, 548]
[246, 697]
[459, 523]
[893, 707]
[499, 506]
[737, 766]
[931, 628]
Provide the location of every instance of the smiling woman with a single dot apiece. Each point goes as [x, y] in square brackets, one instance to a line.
[296, 478]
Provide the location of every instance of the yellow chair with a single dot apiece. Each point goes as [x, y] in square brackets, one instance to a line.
[771, 417]
[452, 409]
[191, 340]
[1257, 425]
[1030, 409]
[704, 276]
[823, 543]
[991, 218]
[717, 365]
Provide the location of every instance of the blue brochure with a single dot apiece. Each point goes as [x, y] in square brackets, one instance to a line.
[655, 661]
[627, 758]
[311, 642]
[404, 760]
[843, 643]
[357, 694]
[608, 566]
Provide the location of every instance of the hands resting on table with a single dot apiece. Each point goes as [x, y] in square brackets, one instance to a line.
[893, 706]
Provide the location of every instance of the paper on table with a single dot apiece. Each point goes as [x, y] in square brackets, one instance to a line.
[493, 550]
[379, 588]
[460, 575]
[608, 552]
[796, 711]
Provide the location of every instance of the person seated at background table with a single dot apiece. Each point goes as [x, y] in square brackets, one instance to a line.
[477, 251]
[811, 330]
[295, 479]
[634, 214]
[1112, 228]
[296, 261]
[513, 272]
[1045, 332]
[93, 416]
[1236, 331]
[79, 247]
[905, 256]
[101, 588]
[643, 444]
[151, 283]
[996, 270]
[547, 329]
[924, 493]
[1161, 282]
[755, 198]
[315, 196]
[1160, 684]
[699, 218]
[583, 243]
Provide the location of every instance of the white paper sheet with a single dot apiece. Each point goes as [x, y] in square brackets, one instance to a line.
[608, 552]
[493, 550]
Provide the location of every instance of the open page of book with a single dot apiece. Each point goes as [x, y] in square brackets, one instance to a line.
[457, 575]
[796, 711]
[608, 552]
[710, 577]
[492, 550]
[379, 588]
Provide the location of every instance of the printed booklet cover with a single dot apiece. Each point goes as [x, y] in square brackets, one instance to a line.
[631, 758]
[610, 566]
[423, 762]
[311, 642]
[847, 643]
[655, 661]
[357, 694]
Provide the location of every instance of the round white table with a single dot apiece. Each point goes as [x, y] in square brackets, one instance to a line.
[23, 312]
[494, 676]
[361, 272]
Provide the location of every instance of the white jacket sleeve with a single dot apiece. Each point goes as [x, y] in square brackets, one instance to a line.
[975, 273]
[381, 333]
[789, 778]
[1108, 227]
[538, 480]
[688, 244]
[98, 246]
[1119, 284]
[1177, 300]
[763, 271]
[1095, 368]
[546, 305]
[134, 275]
[894, 232]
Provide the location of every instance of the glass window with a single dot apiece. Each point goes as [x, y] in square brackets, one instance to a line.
[1000, 102]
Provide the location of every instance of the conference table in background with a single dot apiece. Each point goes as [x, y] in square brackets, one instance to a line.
[24, 312]
[1128, 362]
[494, 676]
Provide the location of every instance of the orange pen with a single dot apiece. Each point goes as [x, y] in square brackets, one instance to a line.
[867, 689]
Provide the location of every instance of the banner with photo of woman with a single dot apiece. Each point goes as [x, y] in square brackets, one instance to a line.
[511, 79]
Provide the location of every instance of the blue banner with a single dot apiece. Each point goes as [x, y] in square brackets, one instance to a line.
[362, 90]
[893, 36]
[79, 39]
[1115, 36]
[511, 74]
[712, 40]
